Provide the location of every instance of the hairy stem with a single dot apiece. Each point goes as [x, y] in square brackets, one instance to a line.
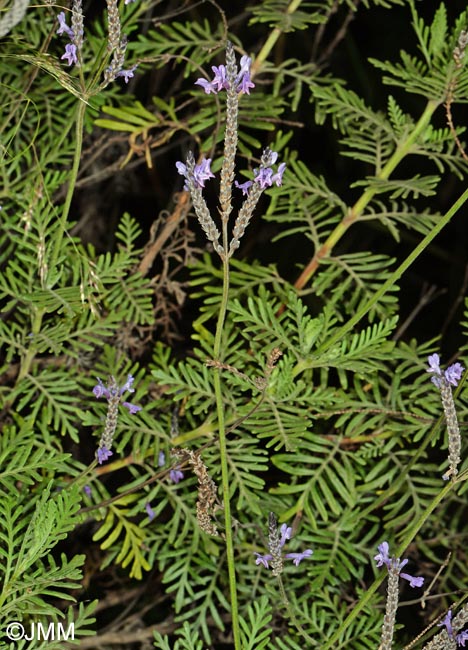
[223, 446]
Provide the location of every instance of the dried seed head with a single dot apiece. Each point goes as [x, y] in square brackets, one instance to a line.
[207, 491]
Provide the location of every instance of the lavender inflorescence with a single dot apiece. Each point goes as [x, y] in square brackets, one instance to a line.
[116, 44]
[230, 135]
[394, 566]
[458, 639]
[113, 393]
[263, 177]
[74, 33]
[235, 81]
[195, 176]
[444, 380]
[277, 537]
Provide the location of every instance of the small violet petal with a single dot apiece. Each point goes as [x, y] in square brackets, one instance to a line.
[202, 172]
[99, 390]
[176, 475]
[263, 559]
[286, 532]
[447, 621]
[245, 85]
[149, 511]
[298, 557]
[127, 74]
[128, 385]
[453, 373]
[434, 364]
[133, 408]
[244, 186]
[414, 581]
[70, 54]
[220, 78]
[208, 86]
[103, 454]
[63, 27]
[382, 556]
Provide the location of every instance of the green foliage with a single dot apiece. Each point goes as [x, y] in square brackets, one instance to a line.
[304, 398]
[116, 523]
[254, 630]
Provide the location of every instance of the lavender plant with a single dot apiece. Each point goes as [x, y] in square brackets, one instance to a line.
[237, 500]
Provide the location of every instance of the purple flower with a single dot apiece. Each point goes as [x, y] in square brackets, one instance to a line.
[176, 475]
[220, 81]
[285, 534]
[220, 78]
[208, 86]
[103, 454]
[461, 638]
[103, 391]
[87, 490]
[149, 511]
[133, 408]
[243, 81]
[414, 581]
[201, 172]
[298, 557]
[63, 27]
[70, 54]
[434, 364]
[263, 559]
[128, 385]
[382, 556]
[447, 621]
[244, 186]
[278, 177]
[161, 459]
[452, 375]
[127, 2]
[265, 176]
[127, 74]
[99, 390]
[396, 564]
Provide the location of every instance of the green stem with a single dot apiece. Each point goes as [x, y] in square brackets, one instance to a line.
[271, 40]
[354, 213]
[71, 184]
[223, 448]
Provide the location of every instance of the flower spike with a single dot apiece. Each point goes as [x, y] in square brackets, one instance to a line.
[444, 380]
